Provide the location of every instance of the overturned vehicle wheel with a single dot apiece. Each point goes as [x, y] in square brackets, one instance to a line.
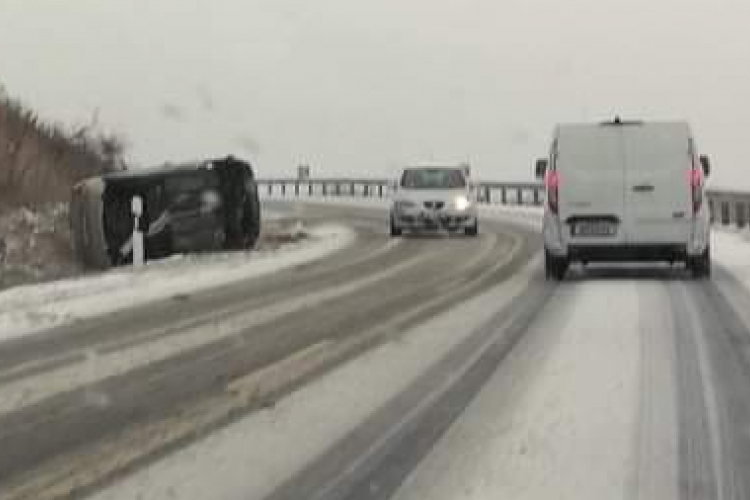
[195, 207]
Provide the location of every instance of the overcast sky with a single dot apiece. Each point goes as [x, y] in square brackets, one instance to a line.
[363, 86]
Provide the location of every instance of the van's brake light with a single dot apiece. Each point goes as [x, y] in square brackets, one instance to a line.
[552, 183]
[695, 179]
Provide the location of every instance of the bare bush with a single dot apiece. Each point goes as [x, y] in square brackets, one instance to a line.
[40, 161]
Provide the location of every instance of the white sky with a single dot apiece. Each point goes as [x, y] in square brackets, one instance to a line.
[363, 86]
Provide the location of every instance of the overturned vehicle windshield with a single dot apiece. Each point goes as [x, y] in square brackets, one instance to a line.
[192, 207]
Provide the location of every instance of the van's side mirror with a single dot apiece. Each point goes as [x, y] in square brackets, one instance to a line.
[541, 168]
[706, 164]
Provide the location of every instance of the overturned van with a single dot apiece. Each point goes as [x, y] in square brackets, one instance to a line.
[192, 207]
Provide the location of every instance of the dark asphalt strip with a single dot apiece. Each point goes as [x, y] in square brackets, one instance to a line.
[373, 466]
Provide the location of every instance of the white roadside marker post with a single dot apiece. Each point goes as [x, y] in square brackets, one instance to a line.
[138, 250]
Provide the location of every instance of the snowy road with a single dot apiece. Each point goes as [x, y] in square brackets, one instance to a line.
[359, 377]
[628, 385]
[87, 402]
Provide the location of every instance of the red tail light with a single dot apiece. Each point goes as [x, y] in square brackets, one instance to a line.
[552, 183]
[696, 188]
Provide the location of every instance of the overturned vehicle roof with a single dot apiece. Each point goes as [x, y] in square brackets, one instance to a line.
[190, 207]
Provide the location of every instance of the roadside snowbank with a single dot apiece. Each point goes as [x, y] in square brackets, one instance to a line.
[35, 245]
[27, 309]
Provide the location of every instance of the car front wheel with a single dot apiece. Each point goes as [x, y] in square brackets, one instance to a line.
[554, 267]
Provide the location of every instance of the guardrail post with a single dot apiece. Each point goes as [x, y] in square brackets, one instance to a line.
[519, 196]
[325, 189]
[725, 216]
[283, 189]
[503, 196]
[310, 189]
[137, 241]
[711, 211]
[537, 200]
[366, 190]
[739, 212]
[270, 188]
[353, 189]
[296, 189]
[380, 190]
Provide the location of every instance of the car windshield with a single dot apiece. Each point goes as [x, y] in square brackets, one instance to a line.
[433, 178]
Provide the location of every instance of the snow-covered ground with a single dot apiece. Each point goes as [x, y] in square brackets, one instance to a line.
[27, 309]
[731, 248]
[35, 245]
[556, 419]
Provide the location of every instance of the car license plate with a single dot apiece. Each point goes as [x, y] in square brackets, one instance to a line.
[594, 229]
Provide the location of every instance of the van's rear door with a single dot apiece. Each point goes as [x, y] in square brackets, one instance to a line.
[658, 196]
[590, 164]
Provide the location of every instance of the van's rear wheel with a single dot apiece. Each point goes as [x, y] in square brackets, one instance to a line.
[555, 267]
[395, 230]
[472, 230]
[700, 267]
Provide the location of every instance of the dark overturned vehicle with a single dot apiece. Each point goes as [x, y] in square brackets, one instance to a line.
[204, 206]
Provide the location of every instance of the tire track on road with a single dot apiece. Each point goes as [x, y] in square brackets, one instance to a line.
[714, 394]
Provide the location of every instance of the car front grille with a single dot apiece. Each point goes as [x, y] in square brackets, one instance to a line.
[434, 205]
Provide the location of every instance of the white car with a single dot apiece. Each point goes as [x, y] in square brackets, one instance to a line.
[625, 191]
[433, 198]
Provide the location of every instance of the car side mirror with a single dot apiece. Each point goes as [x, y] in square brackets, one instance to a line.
[541, 168]
[706, 164]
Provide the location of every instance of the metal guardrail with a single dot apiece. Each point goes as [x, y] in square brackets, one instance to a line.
[729, 207]
[517, 193]
[726, 207]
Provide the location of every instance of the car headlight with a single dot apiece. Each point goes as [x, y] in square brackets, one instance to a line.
[462, 203]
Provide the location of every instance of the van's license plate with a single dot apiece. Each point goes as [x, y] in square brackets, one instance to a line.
[593, 229]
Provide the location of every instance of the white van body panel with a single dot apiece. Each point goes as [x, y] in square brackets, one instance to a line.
[658, 159]
[589, 161]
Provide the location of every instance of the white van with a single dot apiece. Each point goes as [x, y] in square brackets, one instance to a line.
[625, 191]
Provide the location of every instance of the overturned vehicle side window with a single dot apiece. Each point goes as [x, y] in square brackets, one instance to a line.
[207, 206]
